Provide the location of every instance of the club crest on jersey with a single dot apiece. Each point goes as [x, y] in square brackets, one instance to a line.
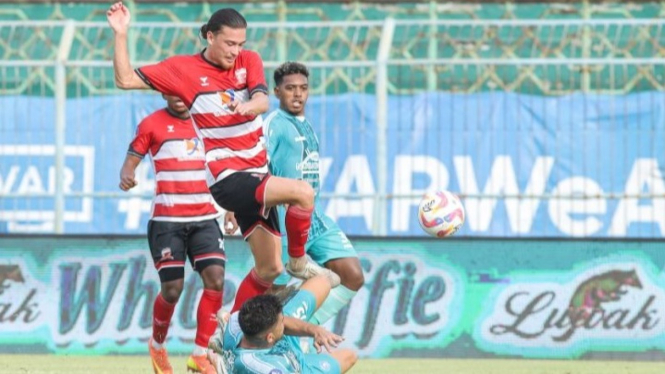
[227, 96]
[169, 128]
[166, 255]
[241, 76]
[325, 366]
[192, 146]
[204, 81]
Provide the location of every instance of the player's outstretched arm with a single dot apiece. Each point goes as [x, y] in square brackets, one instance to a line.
[127, 173]
[322, 337]
[118, 17]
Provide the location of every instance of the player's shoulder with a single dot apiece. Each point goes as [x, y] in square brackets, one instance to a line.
[157, 115]
[179, 61]
[274, 122]
[248, 59]
[153, 119]
[233, 329]
[186, 64]
[248, 55]
[256, 362]
[275, 115]
[184, 58]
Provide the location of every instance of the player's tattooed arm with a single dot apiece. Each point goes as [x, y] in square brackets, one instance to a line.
[322, 337]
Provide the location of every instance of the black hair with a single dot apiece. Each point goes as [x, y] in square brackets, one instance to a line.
[289, 68]
[259, 314]
[228, 17]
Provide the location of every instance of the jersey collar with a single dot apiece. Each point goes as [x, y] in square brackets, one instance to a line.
[203, 56]
[174, 115]
[300, 119]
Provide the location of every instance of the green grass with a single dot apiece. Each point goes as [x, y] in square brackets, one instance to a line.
[43, 364]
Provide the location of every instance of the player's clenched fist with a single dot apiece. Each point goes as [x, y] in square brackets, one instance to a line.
[230, 223]
[244, 109]
[118, 17]
[127, 180]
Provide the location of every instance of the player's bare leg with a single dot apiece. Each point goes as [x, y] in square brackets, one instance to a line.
[283, 292]
[299, 196]
[346, 358]
[349, 271]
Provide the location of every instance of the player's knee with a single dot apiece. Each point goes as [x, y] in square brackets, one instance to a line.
[270, 272]
[305, 194]
[353, 357]
[171, 293]
[213, 278]
[353, 279]
[214, 284]
[349, 359]
[349, 271]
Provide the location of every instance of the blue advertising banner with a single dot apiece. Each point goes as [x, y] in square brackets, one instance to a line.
[508, 155]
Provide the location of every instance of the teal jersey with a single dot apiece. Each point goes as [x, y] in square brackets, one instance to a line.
[293, 152]
[285, 356]
[281, 358]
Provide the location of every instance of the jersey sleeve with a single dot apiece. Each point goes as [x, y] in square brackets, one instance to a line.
[301, 306]
[165, 76]
[270, 130]
[232, 334]
[256, 79]
[140, 145]
[259, 363]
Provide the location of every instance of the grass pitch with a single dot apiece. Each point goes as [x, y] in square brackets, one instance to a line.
[46, 364]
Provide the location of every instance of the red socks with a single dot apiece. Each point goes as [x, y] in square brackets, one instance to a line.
[162, 311]
[251, 286]
[298, 222]
[206, 323]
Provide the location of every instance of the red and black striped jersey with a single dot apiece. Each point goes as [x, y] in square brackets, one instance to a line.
[232, 142]
[181, 192]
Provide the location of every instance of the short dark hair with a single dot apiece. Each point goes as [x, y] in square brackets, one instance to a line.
[289, 68]
[258, 314]
[228, 17]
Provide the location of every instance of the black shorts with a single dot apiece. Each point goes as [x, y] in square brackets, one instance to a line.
[170, 242]
[244, 195]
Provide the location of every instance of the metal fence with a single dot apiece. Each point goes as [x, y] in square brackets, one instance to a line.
[389, 62]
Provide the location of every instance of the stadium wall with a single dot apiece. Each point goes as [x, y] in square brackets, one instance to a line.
[422, 298]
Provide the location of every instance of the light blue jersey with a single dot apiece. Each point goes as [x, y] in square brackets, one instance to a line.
[293, 152]
[285, 356]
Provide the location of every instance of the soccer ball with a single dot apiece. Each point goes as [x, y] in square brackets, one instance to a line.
[440, 213]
